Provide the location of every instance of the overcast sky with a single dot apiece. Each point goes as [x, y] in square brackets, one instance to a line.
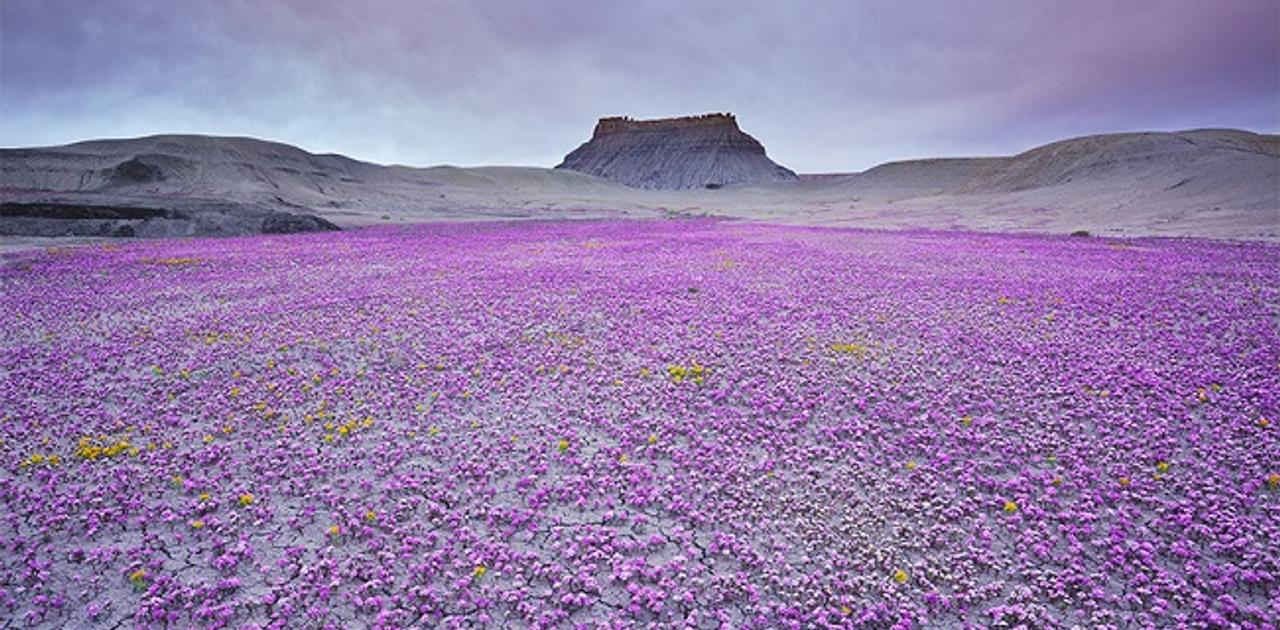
[826, 86]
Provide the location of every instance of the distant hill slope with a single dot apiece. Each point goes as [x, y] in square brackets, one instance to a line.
[244, 169]
[1207, 182]
[229, 185]
[708, 151]
[1219, 183]
[1204, 156]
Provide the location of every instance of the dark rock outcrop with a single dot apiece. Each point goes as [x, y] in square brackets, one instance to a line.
[287, 223]
[79, 212]
[135, 171]
[62, 218]
[708, 151]
[145, 169]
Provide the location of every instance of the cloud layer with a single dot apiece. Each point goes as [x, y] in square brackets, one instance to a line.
[826, 86]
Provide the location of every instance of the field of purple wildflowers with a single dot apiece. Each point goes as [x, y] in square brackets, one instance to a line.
[635, 424]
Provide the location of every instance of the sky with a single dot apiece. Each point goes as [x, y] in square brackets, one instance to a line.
[825, 86]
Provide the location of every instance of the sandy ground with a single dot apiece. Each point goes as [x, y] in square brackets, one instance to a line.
[13, 244]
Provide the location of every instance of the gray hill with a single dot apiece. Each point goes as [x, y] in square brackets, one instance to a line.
[1218, 183]
[708, 151]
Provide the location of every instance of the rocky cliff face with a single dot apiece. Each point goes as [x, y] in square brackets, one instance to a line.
[706, 151]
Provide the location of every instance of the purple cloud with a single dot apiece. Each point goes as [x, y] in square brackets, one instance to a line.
[826, 86]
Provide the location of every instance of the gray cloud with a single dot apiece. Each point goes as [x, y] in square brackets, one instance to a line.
[825, 85]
